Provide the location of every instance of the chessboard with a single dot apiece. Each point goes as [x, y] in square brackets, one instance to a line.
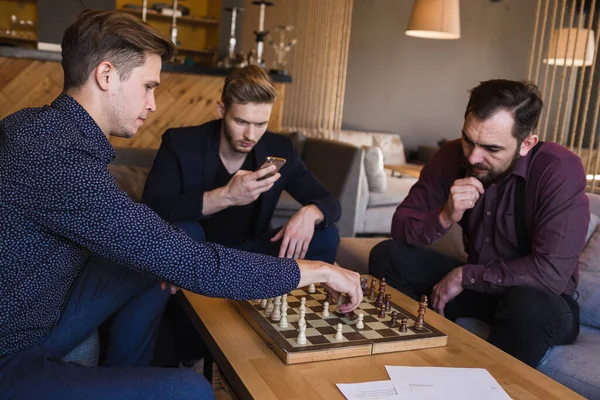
[377, 335]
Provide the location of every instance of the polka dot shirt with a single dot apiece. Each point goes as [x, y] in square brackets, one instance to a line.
[58, 202]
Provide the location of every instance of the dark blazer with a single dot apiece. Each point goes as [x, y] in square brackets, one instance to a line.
[186, 164]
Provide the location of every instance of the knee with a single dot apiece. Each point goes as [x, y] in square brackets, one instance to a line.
[193, 230]
[380, 256]
[329, 237]
[531, 304]
[192, 385]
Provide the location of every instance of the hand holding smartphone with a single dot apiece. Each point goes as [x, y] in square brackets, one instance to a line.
[277, 161]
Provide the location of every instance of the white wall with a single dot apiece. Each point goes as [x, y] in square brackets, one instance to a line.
[419, 87]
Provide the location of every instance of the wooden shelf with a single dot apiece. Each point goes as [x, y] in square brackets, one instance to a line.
[195, 51]
[189, 19]
[17, 38]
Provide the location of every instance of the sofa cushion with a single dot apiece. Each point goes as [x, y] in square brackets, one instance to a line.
[589, 282]
[391, 146]
[576, 366]
[594, 222]
[376, 174]
[397, 189]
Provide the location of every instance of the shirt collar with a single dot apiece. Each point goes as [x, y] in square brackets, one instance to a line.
[75, 112]
[522, 166]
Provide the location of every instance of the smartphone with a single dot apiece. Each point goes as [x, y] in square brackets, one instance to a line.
[277, 161]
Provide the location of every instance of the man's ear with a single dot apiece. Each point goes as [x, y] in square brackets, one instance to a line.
[220, 109]
[528, 143]
[104, 74]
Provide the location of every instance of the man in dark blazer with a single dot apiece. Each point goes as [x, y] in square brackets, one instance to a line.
[207, 179]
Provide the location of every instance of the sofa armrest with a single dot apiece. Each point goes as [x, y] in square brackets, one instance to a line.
[337, 165]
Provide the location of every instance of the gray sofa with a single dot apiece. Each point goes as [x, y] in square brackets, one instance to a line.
[367, 203]
[576, 366]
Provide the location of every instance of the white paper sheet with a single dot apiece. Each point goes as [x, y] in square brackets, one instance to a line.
[378, 390]
[423, 383]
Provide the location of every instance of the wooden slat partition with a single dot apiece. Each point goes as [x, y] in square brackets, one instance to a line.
[318, 62]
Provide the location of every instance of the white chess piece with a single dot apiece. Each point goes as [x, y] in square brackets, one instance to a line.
[263, 303]
[303, 303]
[326, 309]
[360, 324]
[338, 334]
[283, 322]
[284, 298]
[302, 320]
[301, 339]
[311, 288]
[269, 308]
[276, 314]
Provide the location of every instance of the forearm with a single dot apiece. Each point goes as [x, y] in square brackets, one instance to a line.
[539, 272]
[215, 200]
[417, 228]
[312, 213]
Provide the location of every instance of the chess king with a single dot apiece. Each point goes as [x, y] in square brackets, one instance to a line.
[524, 214]
[207, 179]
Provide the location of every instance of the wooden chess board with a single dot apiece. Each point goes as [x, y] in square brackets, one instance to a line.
[377, 336]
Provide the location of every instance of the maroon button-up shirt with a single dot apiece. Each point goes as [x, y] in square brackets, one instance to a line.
[557, 215]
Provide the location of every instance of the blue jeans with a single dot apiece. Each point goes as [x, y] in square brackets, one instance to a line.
[323, 245]
[134, 303]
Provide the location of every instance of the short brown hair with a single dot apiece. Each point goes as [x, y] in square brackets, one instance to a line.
[99, 35]
[521, 99]
[250, 84]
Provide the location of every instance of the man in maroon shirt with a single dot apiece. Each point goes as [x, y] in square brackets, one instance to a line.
[524, 213]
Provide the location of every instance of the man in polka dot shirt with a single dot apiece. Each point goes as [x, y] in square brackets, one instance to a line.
[59, 203]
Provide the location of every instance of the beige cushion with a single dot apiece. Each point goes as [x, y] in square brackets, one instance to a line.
[374, 169]
[396, 191]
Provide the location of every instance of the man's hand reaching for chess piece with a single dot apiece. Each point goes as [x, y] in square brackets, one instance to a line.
[446, 290]
[335, 279]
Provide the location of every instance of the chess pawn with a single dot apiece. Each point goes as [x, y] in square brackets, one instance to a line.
[303, 303]
[380, 296]
[360, 324]
[301, 339]
[381, 311]
[403, 325]
[394, 322]
[283, 322]
[269, 308]
[276, 314]
[311, 288]
[263, 303]
[338, 334]
[325, 309]
[302, 320]
[388, 302]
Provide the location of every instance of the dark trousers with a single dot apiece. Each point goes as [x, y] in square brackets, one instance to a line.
[134, 303]
[323, 245]
[525, 321]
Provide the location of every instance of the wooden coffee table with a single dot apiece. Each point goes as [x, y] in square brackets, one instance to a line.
[255, 371]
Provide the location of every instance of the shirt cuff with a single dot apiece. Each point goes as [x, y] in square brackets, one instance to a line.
[433, 220]
[472, 274]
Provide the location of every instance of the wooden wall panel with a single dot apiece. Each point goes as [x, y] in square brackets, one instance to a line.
[182, 99]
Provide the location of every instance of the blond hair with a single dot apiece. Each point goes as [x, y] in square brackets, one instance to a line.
[250, 84]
